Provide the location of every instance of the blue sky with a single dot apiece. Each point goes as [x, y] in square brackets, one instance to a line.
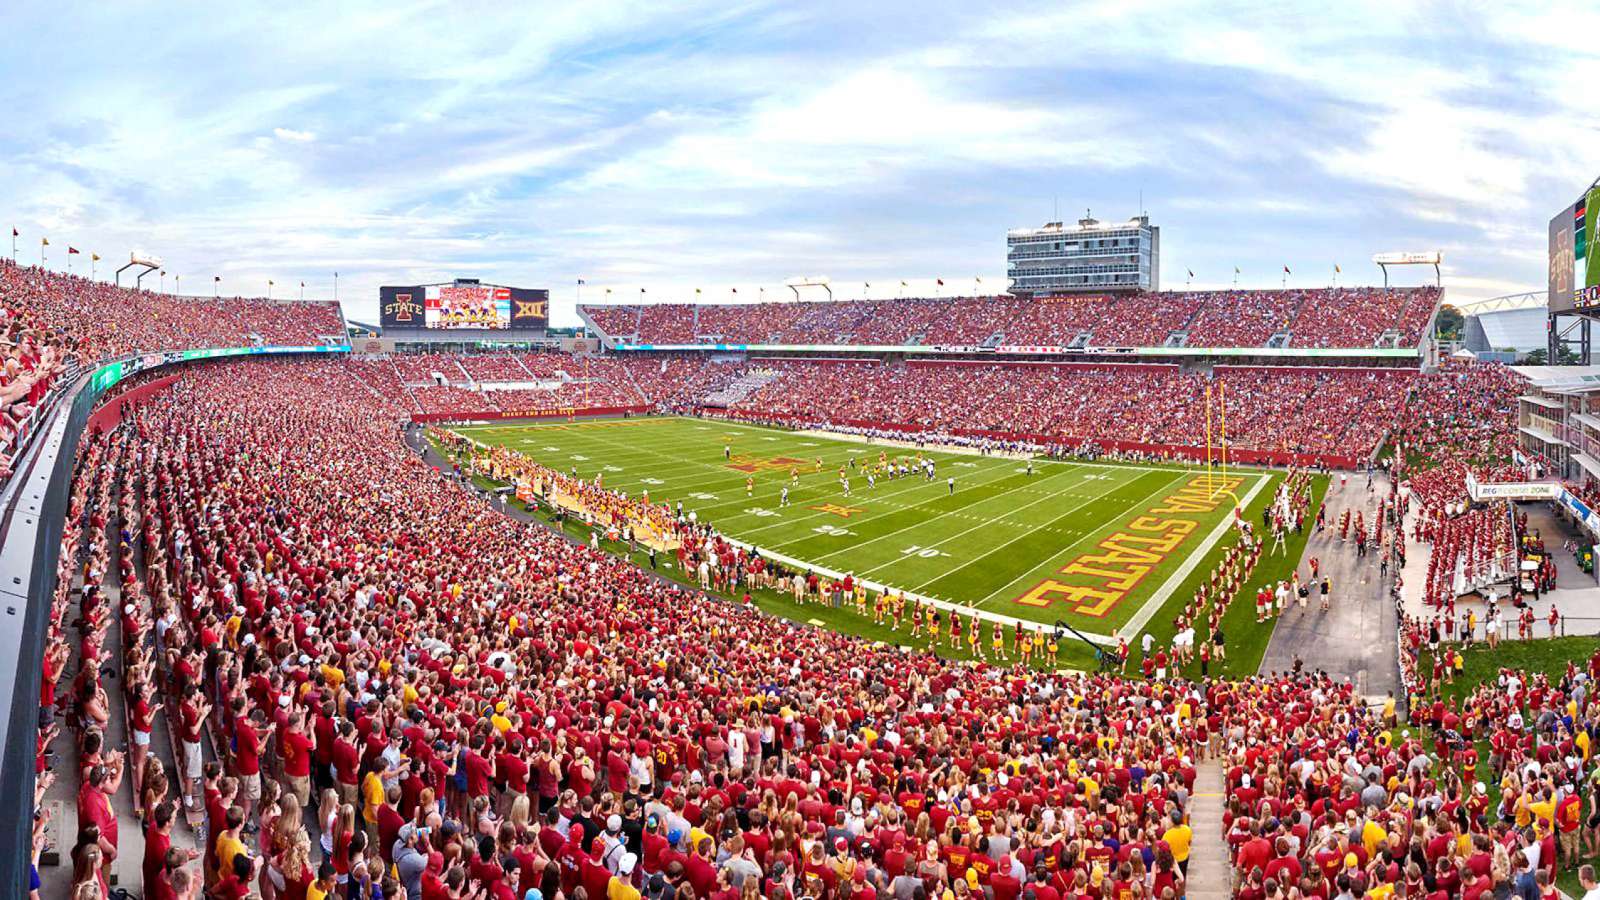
[717, 144]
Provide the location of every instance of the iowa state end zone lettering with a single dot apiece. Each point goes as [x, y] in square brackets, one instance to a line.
[1095, 582]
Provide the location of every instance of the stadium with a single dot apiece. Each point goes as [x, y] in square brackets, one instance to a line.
[432, 586]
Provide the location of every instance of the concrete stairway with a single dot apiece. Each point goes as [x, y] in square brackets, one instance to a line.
[1210, 874]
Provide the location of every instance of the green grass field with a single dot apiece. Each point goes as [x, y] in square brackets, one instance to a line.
[1102, 546]
[1481, 665]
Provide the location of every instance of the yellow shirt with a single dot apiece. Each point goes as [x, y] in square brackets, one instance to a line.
[1371, 835]
[371, 796]
[618, 889]
[1177, 838]
[1524, 812]
[1544, 810]
[315, 893]
[227, 848]
[334, 676]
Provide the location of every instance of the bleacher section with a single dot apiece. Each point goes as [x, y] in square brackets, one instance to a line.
[1320, 319]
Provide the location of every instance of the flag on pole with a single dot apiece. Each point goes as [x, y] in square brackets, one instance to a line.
[1286, 271]
[44, 242]
[697, 292]
[1336, 269]
[1191, 273]
[1235, 270]
[270, 282]
[941, 281]
[216, 278]
[15, 232]
[734, 290]
[94, 257]
[902, 284]
[581, 281]
[71, 250]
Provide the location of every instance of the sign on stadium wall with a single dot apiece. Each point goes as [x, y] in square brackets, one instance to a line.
[1513, 490]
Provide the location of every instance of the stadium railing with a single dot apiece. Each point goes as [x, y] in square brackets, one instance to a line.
[33, 510]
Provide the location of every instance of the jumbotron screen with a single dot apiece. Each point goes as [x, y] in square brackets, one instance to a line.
[1575, 255]
[463, 305]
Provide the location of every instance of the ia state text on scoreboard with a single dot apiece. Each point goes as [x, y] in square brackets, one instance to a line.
[463, 304]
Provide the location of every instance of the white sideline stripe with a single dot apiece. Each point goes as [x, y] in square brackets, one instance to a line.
[1085, 536]
[946, 605]
[1169, 587]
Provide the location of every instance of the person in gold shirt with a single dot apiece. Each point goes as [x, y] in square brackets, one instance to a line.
[620, 887]
[1177, 838]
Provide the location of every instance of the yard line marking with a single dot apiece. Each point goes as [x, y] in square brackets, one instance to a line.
[1164, 485]
[915, 485]
[924, 522]
[1204, 548]
[1170, 586]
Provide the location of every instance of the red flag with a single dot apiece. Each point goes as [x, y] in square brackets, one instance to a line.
[941, 281]
[71, 250]
[1286, 271]
[16, 233]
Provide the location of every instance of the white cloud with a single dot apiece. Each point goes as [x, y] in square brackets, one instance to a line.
[693, 142]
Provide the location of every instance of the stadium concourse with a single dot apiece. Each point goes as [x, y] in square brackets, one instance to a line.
[289, 657]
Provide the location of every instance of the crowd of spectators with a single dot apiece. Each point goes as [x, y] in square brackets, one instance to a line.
[51, 323]
[471, 706]
[1293, 409]
[1327, 317]
[102, 320]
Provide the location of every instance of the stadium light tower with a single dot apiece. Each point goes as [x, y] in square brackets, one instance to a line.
[799, 281]
[1385, 260]
[144, 262]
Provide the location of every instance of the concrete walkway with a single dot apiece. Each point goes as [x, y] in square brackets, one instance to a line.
[1576, 597]
[1210, 873]
[62, 795]
[1355, 638]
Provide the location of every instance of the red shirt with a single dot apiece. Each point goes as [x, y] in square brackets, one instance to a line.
[247, 748]
[156, 846]
[95, 807]
[346, 761]
[295, 747]
[189, 724]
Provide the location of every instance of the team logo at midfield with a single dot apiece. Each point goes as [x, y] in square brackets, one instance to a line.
[746, 463]
[836, 509]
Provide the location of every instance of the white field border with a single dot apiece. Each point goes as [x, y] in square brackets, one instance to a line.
[1130, 629]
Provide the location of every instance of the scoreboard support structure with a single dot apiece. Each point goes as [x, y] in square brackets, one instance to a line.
[1568, 338]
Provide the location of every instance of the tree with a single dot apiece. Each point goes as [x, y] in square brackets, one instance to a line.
[1447, 326]
[1535, 357]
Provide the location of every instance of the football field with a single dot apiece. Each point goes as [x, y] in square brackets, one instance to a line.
[1101, 546]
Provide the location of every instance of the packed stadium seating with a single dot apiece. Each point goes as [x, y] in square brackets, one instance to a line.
[52, 323]
[408, 693]
[1300, 410]
[1360, 317]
